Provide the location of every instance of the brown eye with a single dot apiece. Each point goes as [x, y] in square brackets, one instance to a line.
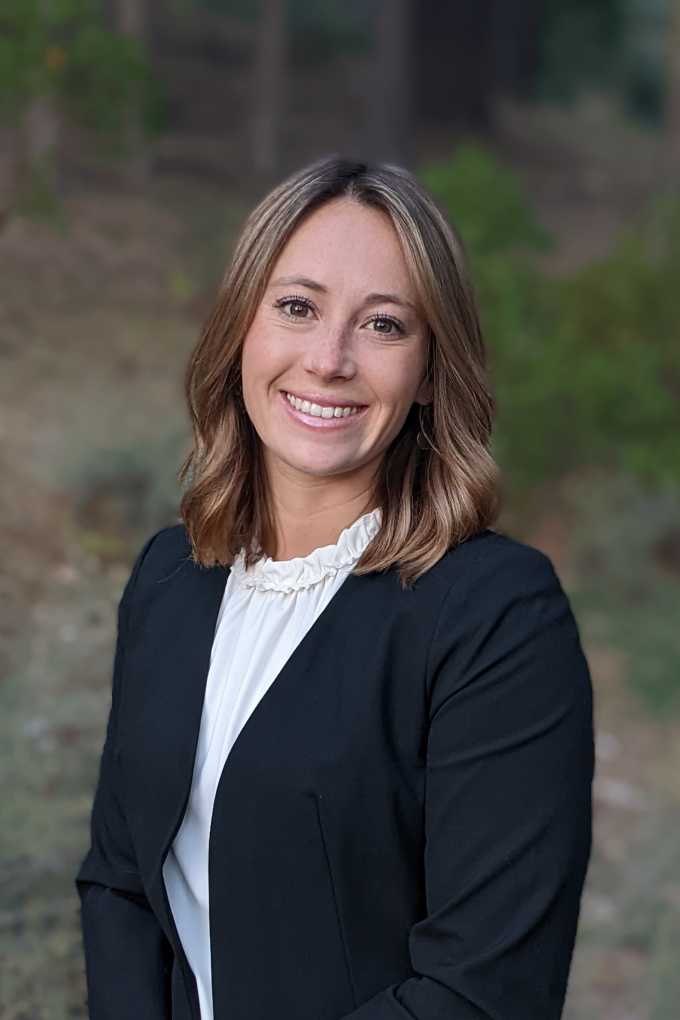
[396, 326]
[295, 304]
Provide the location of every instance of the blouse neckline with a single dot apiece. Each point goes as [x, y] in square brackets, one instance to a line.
[305, 571]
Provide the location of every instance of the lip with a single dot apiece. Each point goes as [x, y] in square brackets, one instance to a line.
[315, 398]
[313, 422]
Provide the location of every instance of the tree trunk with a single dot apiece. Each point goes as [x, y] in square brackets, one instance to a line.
[37, 177]
[269, 90]
[517, 30]
[390, 120]
[130, 20]
[672, 126]
[455, 63]
[36, 169]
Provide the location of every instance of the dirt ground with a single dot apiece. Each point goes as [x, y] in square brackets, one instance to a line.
[99, 312]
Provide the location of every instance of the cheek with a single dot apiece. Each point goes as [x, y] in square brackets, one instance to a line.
[261, 359]
[396, 378]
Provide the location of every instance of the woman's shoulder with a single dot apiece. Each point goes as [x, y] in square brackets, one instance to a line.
[493, 580]
[495, 558]
[162, 555]
[500, 589]
[164, 547]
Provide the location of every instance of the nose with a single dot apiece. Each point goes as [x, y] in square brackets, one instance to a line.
[329, 355]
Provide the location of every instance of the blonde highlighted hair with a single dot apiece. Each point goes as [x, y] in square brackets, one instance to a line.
[431, 499]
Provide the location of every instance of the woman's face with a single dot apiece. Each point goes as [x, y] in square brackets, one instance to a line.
[338, 333]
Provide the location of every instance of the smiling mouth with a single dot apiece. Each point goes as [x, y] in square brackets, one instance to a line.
[318, 418]
[326, 410]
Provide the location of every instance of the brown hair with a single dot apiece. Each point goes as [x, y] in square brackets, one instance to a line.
[431, 499]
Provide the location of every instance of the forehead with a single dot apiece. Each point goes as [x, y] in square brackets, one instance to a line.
[344, 243]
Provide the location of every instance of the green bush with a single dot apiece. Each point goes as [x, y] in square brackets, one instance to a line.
[625, 550]
[620, 319]
[63, 49]
[485, 202]
[585, 367]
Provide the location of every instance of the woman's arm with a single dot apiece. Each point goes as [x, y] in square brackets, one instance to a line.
[127, 956]
[508, 802]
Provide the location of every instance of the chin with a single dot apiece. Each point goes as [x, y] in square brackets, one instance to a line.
[317, 467]
[325, 470]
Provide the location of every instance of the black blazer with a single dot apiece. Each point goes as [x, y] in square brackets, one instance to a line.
[403, 826]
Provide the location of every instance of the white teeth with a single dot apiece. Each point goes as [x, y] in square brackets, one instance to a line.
[317, 410]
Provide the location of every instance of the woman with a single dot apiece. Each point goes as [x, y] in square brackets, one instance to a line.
[348, 765]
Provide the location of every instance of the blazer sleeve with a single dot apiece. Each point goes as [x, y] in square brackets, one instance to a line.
[510, 762]
[127, 956]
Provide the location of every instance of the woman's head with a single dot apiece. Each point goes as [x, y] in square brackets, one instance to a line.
[346, 285]
[337, 352]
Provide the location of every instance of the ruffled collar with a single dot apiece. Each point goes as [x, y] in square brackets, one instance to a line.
[304, 571]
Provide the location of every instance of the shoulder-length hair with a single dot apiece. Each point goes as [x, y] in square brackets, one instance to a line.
[431, 499]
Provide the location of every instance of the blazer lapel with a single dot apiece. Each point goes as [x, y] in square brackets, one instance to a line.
[165, 692]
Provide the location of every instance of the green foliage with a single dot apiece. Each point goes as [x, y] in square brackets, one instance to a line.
[585, 367]
[106, 77]
[62, 49]
[619, 318]
[625, 549]
[484, 200]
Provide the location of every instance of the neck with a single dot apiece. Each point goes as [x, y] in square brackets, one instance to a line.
[311, 512]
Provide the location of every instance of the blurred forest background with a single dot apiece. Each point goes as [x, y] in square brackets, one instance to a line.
[135, 135]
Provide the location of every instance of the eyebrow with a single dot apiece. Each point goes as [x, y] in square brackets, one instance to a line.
[370, 299]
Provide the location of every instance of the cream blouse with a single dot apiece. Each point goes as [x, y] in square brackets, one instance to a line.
[265, 612]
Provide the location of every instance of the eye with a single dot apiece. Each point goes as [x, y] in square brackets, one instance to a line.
[295, 301]
[398, 329]
[297, 306]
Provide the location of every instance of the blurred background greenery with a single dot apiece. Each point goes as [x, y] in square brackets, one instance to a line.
[135, 135]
